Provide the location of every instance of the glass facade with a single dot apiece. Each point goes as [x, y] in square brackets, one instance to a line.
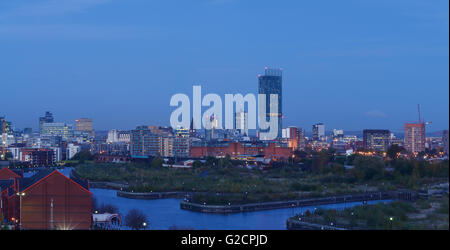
[376, 139]
[318, 132]
[48, 118]
[271, 83]
[145, 143]
[58, 129]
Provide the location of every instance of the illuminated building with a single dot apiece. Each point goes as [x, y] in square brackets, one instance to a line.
[47, 200]
[241, 123]
[338, 134]
[84, 125]
[58, 129]
[8, 126]
[145, 143]
[233, 149]
[48, 118]
[72, 150]
[414, 141]
[182, 132]
[293, 137]
[318, 132]
[376, 139]
[271, 83]
[445, 141]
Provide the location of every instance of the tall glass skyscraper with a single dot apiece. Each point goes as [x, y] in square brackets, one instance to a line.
[271, 83]
[48, 118]
[318, 132]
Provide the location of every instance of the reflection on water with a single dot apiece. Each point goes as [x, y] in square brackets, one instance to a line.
[164, 213]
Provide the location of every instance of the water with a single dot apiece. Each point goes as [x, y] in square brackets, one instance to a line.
[164, 213]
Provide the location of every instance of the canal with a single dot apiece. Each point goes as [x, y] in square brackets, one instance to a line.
[165, 213]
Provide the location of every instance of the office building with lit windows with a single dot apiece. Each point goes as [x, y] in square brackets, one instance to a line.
[376, 139]
[414, 141]
[271, 83]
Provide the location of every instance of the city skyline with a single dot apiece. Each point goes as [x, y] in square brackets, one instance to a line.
[121, 73]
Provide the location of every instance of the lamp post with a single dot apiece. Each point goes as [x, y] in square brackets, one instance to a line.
[144, 224]
[390, 220]
[20, 194]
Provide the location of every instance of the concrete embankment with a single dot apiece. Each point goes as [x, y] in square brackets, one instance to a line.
[107, 185]
[205, 208]
[301, 225]
[152, 195]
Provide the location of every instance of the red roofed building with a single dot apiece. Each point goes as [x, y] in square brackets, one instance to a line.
[48, 200]
[6, 174]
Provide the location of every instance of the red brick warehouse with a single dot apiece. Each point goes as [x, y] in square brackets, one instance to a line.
[48, 200]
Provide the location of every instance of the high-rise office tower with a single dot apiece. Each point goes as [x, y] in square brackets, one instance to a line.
[65, 131]
[414, 141]
[376, 139]
[318, 132]
[241, 123]
[338, 134]
[445, 141]
[210, 134]
[144, 143]
[48, 118]
[192, 130]
[7, 125]
[293, 136]
[271, 83]
[84, 125]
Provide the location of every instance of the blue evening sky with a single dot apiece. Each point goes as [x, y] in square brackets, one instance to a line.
[352, 64]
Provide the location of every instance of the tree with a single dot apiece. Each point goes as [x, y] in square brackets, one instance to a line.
[135, 219]
[197, 164]
[225, 162]
[211, 161]
[82, 156]
[404, 167]
[157, 162]
[368, 168]
[394, 150]
[9, 156]
[301, 154]
[108, 208]
[320, 162]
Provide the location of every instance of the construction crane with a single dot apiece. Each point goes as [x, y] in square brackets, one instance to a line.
[420, 118]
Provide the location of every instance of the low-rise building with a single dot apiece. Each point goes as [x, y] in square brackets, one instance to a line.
[47, 200]
[221, 149]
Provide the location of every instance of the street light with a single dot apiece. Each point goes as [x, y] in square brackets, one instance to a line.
[391, 219]
[144, 224]
[20, 194]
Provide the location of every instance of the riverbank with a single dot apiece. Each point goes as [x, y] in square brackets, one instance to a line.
[292, 224]
[205, 208]
[100, 184]
[164, 214]
[422, 214]
[152, 195]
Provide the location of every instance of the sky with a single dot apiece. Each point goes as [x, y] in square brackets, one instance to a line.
[351, 64]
